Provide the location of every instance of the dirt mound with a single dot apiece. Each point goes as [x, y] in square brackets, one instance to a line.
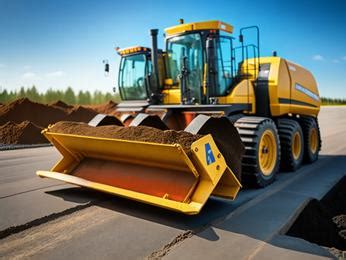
[40, 114]
[323, 222]
[80, 114]
[108, 108]
[27, 117]
[139, 133]
[61, 104]
[23, 133]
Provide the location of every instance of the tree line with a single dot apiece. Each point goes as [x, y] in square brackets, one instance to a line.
[87, 98]
[51, 95]
[333, 101]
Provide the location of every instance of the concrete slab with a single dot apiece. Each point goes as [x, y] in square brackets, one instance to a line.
[248, 230]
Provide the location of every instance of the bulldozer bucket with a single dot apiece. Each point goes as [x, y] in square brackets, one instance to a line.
[154, 173]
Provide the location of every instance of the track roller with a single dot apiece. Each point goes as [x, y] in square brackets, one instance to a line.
[312, 138]
[262, 150]
[292, 144]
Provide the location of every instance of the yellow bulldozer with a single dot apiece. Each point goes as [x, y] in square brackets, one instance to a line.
[201, 118]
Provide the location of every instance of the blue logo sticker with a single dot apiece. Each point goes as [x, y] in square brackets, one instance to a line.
[209, 154]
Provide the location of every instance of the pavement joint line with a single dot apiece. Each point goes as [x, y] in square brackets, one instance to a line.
[22, 146]
[168, 247]
[39, 221]
[17, 229]
[291, 219]
[283, 227]
[163, 251]
[27, 191]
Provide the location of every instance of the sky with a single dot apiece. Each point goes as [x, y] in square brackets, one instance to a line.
[60, 43]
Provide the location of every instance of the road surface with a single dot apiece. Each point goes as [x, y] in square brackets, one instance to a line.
[48, 219]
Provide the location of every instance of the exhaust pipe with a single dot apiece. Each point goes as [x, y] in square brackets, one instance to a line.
[154, 53]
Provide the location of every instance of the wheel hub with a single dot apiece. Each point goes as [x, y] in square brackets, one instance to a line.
[268, 152]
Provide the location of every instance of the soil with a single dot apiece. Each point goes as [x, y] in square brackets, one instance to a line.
[108, 108]
[23, 133]
[42, 115]
[62, 105]
[28, 118]
[137, 133]
[324, 222]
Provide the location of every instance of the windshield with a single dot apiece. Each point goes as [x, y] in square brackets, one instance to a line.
[188, 47]
[132, 77]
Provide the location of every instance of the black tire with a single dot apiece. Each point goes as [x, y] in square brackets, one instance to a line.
[292, 144]
[311, 149]
[252, 130]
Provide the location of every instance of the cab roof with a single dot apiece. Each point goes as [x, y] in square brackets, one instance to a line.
[132, 49]
[206, 25]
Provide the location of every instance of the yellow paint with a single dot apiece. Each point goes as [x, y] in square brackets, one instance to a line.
[169, 82]
[243, 93]
[267, 152]
[313, 140]
[171, 96]
[283, 77]
[131, 50]
[215, 178]
[207, 25]
[296, 145]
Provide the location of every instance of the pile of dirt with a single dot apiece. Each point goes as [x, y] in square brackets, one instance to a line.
[324, 222]
[60, 104]
[23, 133]
[138, 133]
[16, 115]
[42, 115]
[108, 108]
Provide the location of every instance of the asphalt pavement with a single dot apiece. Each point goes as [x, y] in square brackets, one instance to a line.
[49, 219]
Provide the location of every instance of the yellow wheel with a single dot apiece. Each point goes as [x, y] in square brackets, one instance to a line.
[262, 150]
[267, 152]
[296, 145]
[312, 138]
[292, 144]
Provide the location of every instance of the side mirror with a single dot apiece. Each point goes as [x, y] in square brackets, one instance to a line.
[106, 63]
[241, 38]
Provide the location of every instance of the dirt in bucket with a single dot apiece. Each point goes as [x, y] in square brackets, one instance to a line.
[138, 133]
[324, 222]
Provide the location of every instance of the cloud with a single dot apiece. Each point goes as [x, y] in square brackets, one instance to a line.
[318, 57]
[2, 65]
[343, 58]
[335, 61]
[29, 75]
[27, 67]
[55, 74]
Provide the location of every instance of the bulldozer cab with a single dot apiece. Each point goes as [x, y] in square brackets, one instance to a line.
[185, 63]
[134, 73]
[203, 62]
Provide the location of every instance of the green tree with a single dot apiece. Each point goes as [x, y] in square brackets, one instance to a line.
[33, 94]
[22, 93]
[69, 96]
[4, 97]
